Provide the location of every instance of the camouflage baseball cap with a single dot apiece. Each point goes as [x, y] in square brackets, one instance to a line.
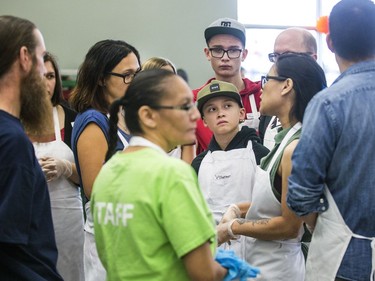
[217, 88]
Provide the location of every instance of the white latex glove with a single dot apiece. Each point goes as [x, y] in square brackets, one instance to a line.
[233, 212]
[225, 233]
[53, 168]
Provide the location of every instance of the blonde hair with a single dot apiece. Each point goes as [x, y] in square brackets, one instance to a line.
[158, 62]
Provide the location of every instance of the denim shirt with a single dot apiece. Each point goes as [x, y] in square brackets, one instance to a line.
[337, 147]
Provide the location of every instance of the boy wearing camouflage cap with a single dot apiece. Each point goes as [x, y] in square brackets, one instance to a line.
[226, 169]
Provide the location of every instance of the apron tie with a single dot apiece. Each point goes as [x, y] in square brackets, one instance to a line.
[373, 253]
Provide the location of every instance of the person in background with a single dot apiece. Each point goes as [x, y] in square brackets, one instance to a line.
[185, 152]
[27, 241]
[57, 162]
[103, 77]
[332, 185]
[226, 170]
[159, 62]
[291, 40]
[226, 41]
[142, 186]
[273, 232]
[54, 87]
[183, 74]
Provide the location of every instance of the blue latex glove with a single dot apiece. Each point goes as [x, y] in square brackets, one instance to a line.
[237, 268]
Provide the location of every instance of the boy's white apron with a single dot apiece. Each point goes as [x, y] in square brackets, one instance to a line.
[227, 177]
[252, 119]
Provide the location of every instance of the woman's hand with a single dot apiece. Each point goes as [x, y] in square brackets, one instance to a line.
[53, 168]
[233, 212]
[224, 232]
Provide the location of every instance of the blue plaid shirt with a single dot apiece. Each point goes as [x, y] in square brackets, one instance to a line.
[337, 147]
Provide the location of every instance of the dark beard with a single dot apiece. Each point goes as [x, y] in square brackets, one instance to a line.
[36, 107]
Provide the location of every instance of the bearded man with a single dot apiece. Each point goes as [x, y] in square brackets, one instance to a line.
[27, 242]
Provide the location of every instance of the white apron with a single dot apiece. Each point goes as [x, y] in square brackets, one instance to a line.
[330, 240]
[94, 269]
[67, 211]
[271, 131]
[252, 119]
[280, 260]
[227, 177]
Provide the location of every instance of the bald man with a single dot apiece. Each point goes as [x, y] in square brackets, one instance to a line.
[294, 40]
[291, 40]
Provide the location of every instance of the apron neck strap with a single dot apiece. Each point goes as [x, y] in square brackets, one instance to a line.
[253, 105]
[56, 124]
[283, 143]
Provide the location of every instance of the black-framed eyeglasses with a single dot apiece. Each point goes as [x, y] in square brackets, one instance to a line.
[231, 53]
[185, 107]
[264, 79]
[274, 56]
[127, 77]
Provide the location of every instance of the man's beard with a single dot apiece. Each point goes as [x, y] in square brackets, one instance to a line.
[36, 106]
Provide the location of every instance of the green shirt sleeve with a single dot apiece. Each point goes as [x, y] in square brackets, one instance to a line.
[190, 224]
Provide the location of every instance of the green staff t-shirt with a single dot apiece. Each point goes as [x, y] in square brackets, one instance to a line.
[148, 213]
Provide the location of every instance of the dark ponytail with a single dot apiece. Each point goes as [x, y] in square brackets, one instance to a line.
[113, 121]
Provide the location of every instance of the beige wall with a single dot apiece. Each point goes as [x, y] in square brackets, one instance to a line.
[169, 28]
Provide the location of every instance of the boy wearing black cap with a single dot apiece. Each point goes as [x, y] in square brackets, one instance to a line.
[226, 169]
[226, 40]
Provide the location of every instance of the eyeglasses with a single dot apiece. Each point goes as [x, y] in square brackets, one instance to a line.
[274, 56]
[264, 79]
[127, 77]
[185, 107]
[231, 53]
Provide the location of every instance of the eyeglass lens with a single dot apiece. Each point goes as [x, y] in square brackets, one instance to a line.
[231, 53]
[274, 56]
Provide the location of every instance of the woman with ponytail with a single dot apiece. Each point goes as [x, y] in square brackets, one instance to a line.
[151, 220]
